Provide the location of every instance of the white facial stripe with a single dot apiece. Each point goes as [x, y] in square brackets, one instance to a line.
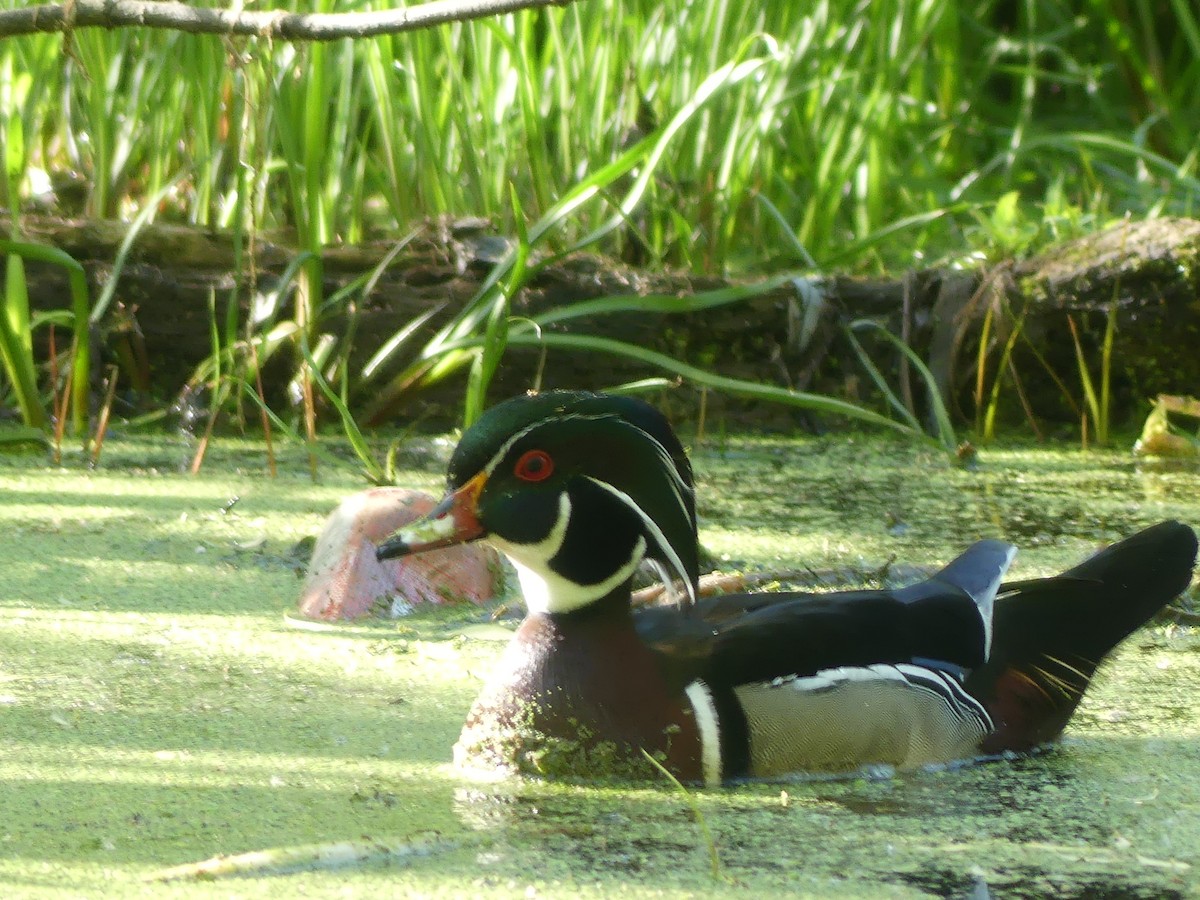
[680, 486]
[656, 533]
[496, 459]
[545, 590]
[709, 726]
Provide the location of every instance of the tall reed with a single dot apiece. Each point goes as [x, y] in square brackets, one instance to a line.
[877, 118]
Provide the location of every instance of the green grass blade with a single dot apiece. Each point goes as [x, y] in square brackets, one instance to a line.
[881, 383]
[316, 449]
[736, 386]
[661, 303]
[714, 859]
[1085, 379]
[145, 214]
[81, 347]
[16, 348]
[789, 233]
[945, 428]
[358, 441]
[393, 344]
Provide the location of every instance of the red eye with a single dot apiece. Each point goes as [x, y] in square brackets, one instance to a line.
[534, 465]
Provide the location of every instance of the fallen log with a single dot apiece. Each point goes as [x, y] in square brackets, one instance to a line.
[1145, 273]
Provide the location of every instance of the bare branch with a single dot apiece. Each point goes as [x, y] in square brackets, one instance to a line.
[278, 25]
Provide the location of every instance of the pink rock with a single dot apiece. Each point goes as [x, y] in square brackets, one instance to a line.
[346, 581]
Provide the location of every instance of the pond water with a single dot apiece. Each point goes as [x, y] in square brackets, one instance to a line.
[157, 708]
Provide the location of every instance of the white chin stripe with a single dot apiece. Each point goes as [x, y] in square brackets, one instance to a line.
[545, 590]
[708, 725]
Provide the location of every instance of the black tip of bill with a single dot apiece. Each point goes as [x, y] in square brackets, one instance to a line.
[392, 549]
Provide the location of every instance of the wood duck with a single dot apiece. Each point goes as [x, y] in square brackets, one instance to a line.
[577, 489]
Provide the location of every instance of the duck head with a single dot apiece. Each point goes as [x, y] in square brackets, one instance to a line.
[576, 489]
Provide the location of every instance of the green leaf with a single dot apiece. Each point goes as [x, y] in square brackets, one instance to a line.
[14, 151]
[737, 386]
[945, 429]
[358, 441]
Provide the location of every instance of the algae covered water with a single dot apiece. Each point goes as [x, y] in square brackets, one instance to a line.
[156, 707]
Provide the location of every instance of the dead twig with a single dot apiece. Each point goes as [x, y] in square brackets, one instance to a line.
[285, 860]
[276, 25]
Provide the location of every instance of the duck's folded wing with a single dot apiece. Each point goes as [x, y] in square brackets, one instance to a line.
[944, 621]
[811, 633]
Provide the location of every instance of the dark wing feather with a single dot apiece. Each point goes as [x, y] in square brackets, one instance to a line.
[1052, 633]
[745, 638]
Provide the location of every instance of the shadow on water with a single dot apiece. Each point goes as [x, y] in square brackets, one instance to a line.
[1034, 884]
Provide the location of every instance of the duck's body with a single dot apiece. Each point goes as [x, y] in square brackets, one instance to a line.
[577, 488]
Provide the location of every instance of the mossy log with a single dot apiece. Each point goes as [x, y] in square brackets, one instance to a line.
[1146, 273]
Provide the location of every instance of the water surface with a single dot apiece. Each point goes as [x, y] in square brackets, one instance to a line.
[156, 708]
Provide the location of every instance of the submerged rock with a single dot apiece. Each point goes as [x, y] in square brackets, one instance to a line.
[346, 581]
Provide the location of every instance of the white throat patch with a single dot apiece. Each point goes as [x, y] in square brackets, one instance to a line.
[544, 589]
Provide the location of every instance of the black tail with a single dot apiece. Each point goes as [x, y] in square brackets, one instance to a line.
[1050, 634]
